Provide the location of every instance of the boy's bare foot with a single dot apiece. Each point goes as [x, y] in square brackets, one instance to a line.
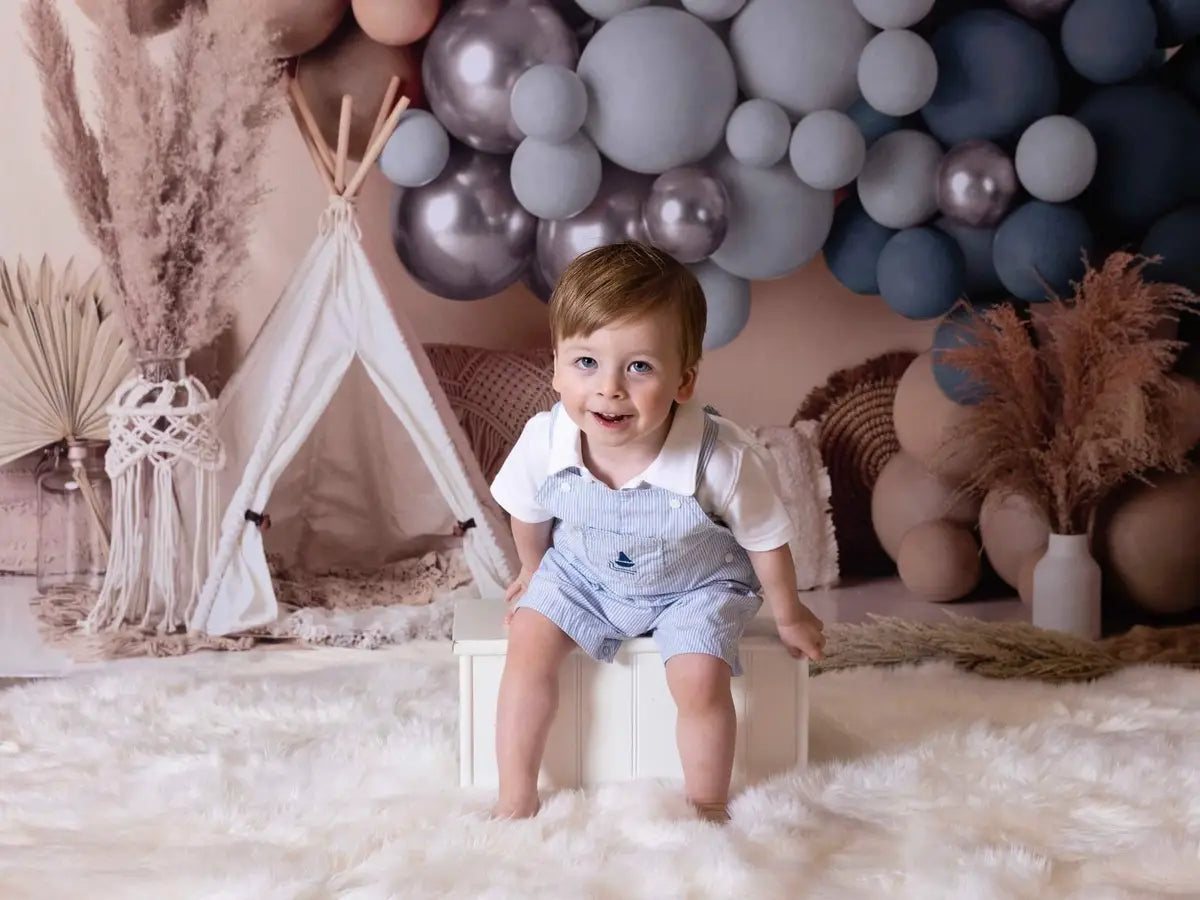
[522, 808]
[713, 812]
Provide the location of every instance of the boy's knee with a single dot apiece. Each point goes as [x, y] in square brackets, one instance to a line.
[698, 681]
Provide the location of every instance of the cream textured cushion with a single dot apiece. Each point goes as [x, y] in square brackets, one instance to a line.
[806, 490]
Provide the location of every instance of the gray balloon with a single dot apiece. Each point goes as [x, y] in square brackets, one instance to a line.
[800, 53]
[777, 223]
[758, 132]
[417, 150]
[1056, 158]
[660, 86]
[976, 183]
[897, 72]
[728, 300]
[714, 10]
[474, 56]
[555, 181]
[893, 13]
[897, 184]
[614, 216]
[686, 213]
[463, 236]
[827, 149]
[1037, 10]
[549, 102]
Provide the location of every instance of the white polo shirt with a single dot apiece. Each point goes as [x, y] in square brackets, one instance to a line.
[737, 486]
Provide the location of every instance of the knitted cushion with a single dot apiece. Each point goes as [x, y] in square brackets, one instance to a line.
[857, 437]
[493, 393]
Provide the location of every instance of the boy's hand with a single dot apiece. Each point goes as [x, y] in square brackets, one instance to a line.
[804, 635]
[515, 590]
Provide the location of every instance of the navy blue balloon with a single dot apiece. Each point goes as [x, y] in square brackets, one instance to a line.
[976, 246]
[921, 273]
[1146, 137]
[1107, 41]
[996, 76]
[958, 329]
[1041, 242]
[853, 247]
[871, 122]
[1178, 21]
[1182, 70]
[1176, 238]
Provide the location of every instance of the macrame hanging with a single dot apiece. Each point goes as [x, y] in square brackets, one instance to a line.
[162, 436]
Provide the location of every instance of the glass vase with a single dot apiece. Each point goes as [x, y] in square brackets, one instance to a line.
[74, 514]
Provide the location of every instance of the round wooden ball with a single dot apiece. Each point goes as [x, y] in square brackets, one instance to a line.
[146, 17]
[925, 418]
[939, 561]
[906, 494]
[1011, 528]
[1147, 539]
[297, 26]
[351, 63]
[395, 22]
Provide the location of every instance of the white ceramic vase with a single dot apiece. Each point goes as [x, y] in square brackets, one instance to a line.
[1066, 587]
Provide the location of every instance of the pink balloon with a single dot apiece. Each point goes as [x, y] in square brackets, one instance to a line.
[396, 22]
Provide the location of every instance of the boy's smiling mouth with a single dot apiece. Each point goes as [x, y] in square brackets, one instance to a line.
[610, 421]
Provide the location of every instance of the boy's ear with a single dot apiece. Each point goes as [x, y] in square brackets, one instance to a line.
[687, 386]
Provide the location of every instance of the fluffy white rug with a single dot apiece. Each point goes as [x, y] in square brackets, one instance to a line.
[332, 773]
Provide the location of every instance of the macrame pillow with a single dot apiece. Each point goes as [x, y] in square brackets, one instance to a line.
[856, 435]
[493, 394]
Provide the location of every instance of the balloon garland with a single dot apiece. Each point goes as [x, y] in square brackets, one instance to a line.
[982, 147]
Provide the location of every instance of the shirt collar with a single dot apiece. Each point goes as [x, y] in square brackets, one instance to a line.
[674, 469]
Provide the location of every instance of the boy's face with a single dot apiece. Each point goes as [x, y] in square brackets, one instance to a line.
[618, 383]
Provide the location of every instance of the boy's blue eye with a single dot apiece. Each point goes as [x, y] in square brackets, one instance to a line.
[585, 362]
[640, 367]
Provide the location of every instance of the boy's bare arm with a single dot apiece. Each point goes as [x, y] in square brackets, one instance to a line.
[532, 540]
[798, 627]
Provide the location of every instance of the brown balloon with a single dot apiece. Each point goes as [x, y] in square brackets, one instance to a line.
[906, 494]
[146, 17]
[395, 22]
[1011, 528]
[351, 63]
[297, 26]
[925, 418]
[939, 561]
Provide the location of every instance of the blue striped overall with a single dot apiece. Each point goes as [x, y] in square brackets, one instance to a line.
[624, 563]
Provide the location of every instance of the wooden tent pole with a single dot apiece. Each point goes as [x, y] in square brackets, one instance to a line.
[318, 163]
[376, 148]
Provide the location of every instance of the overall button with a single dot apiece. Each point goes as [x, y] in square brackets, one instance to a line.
[674, 503]
[564, 487]
[728, 557]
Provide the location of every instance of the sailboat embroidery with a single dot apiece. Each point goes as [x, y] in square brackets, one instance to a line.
[622, 563]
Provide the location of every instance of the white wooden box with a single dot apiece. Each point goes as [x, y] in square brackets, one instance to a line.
[616, 722]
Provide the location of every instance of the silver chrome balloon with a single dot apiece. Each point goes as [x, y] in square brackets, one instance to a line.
[686, 213]
[464, 236]
[976, 183]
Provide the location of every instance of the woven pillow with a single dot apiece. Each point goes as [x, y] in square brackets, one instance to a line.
[857, 436]
[805, 488]
[493, 394]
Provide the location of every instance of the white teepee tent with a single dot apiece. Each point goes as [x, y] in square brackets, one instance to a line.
[329, 344]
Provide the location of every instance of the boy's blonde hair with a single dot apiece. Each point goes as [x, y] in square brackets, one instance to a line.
[618, 282]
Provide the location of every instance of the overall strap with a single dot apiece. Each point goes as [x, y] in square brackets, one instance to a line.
[707, 444]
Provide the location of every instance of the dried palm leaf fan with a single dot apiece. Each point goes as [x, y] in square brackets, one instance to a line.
[62, 356]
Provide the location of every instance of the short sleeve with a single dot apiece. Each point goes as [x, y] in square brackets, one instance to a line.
[516, 485]
[754, 511]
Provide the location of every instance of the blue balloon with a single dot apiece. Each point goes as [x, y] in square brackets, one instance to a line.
[1178, 21]
[1182, 71]
[921, 273]
[853, 246]
[1041, 242]
[1146, 136]
[1176, 238]
[871, 122]
[996, 76]
[1107, 41]
[957, 329]
[976, 246]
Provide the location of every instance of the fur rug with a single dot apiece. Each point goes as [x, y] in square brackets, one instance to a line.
[331, 773]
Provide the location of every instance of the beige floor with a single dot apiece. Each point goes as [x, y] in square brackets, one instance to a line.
[23, 655]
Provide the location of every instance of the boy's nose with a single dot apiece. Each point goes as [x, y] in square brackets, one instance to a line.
[612, 386]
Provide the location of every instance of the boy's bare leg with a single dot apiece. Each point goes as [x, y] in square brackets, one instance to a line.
[706, 729]
[528, 700]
